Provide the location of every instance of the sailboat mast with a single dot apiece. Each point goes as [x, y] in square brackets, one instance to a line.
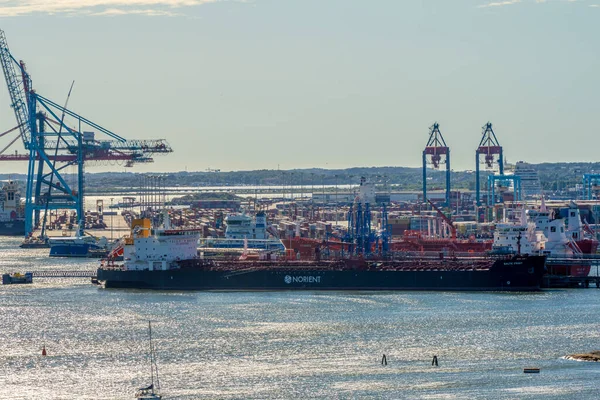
[151, 356]
[153, 365]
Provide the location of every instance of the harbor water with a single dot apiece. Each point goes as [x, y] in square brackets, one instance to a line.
[288, 345]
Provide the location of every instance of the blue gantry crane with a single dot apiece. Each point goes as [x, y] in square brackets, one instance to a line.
[56, 138]
[489, 147]
[435, 149]
[496, 183]
[361, 239]
[591, 182]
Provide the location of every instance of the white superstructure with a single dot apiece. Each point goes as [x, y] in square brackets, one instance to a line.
[158, 249]
[9, 201]
[366, 192]
[530, 181]
[518, 238]
[561, 237]
[242, 226]
[243, 231]
[536, 233]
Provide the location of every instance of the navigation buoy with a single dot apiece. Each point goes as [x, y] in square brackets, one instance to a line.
[44, 350]
[384, 360]
[434, 361]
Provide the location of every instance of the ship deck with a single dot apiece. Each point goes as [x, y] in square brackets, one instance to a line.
[407, 264]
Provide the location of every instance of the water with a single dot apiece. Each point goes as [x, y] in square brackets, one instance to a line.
[236, 345]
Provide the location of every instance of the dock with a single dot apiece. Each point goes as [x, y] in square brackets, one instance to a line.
[64, 274]
[552, 280]
[17, 278]
[562, 281]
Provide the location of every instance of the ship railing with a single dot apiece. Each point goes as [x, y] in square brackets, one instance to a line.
[238, 268]
[242, 272]
[431, 255]
[571, 261]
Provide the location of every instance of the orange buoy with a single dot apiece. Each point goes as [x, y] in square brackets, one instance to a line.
[44, 350]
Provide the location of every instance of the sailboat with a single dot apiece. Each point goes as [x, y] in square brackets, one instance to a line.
[150, 392]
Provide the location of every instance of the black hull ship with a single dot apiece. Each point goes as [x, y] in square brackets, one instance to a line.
[167, 259]
[12, 228]
[12, 221]
[518, 273]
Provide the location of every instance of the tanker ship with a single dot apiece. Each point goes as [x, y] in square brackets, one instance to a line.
[167, 259]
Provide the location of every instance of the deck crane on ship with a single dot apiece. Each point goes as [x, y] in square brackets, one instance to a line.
[444, 218]
[53, 144]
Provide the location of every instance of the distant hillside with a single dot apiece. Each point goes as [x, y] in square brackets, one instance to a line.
[552, 176]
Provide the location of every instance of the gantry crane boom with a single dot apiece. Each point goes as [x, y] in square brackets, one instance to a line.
[53, 145]
[16, 89]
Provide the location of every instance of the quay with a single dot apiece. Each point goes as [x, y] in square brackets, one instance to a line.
[17, 278]
[64, 274]
[562, 281]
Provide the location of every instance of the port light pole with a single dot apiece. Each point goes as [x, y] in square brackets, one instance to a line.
[111, 218]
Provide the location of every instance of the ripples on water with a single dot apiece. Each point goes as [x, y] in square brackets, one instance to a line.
[288, 344]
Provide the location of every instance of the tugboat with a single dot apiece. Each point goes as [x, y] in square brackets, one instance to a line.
[17, 278]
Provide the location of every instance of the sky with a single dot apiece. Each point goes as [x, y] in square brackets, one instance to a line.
[267, 84]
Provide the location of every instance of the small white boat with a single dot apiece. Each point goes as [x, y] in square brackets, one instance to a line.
[150, 392]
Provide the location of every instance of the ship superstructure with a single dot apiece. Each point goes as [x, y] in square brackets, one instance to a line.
[243, 226]
[12, 221]
[539, 233]
[244, 232]
[157, 249]
[530, 182]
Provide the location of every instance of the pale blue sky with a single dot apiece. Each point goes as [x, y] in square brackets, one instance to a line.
[301, 83]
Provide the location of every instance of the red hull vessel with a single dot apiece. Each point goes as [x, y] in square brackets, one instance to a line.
[415, 241]
[588, 246]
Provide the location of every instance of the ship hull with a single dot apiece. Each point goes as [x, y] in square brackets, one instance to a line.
[12, 228]
[70, 250]
[517, 274]
[588, 246]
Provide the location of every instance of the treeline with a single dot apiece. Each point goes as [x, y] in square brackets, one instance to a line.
[553, 176]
